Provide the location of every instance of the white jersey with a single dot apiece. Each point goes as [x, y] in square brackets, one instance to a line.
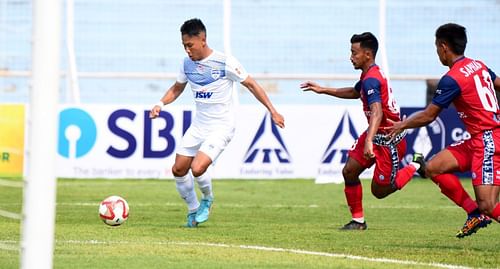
[211, 81]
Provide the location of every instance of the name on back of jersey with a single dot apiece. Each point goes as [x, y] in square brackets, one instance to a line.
[470, 68]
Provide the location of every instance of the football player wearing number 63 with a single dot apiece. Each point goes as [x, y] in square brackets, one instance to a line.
[211, 76]
[470, 85]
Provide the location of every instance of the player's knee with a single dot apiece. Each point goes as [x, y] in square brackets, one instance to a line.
[349, 174]
[433, 169]
[380, 192]
[198, 169]
[179, 171]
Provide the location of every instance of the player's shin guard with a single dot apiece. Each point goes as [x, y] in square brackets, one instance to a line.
[354, 197]
[205, 184]
[451, 187]
[185, 187]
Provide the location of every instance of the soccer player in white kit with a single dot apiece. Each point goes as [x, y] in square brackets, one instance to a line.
[211, 75]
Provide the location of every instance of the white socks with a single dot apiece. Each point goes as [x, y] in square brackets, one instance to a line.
[205, 184]
[360, 220]
[185, 187]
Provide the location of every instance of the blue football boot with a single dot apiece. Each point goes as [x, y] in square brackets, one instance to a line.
[204, 209]
[191, 220]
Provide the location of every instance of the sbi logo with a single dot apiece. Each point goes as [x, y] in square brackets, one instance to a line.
[78, 133]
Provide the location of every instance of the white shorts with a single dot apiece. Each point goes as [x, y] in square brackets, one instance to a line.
[211, 143]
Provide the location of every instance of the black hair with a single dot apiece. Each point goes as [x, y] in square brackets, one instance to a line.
[193, 27]
[454, 36]
[367, 41]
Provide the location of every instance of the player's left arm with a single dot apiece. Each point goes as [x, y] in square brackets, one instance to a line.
[261, 95]
[372, 88]
[375, 120]
[236, 72]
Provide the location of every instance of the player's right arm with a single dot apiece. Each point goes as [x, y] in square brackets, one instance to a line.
[344, 93]
[447, 90]
[172, 93]
[418, 119]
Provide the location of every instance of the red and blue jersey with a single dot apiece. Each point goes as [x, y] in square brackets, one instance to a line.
[469, 85]
[373, 87]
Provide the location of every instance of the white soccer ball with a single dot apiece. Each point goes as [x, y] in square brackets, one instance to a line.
[113, 210]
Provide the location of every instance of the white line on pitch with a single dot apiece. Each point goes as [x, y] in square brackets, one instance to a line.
[10, 215]
[9, 246]
[273, 249]
[11, 183]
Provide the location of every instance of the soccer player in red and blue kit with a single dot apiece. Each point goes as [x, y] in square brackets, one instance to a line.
[470, 85]
[373, 146]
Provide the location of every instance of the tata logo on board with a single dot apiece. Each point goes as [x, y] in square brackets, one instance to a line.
[262, 149]
[267, 154]
[345, 134]
[336, 153]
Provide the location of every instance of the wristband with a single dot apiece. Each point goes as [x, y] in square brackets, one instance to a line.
[160, 104]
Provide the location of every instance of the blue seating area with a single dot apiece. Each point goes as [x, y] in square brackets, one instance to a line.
[293, 37]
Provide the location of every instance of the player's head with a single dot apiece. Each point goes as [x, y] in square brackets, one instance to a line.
[363, 49]
[451, 40]
[194, 39]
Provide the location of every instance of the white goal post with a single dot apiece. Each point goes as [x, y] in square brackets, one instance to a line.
[39, 199]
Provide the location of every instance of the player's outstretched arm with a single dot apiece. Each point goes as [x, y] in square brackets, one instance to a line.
[345, 93]
[418, 119]
[261, 95]
[172, 93]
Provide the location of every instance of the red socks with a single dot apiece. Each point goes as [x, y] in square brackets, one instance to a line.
[404, 176]
[496, 213]
[354, 197]
[451, 187]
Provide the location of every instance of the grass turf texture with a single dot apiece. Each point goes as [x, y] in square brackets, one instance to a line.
[417, 224]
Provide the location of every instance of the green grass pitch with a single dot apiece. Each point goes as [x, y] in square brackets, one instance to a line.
[256, 224]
